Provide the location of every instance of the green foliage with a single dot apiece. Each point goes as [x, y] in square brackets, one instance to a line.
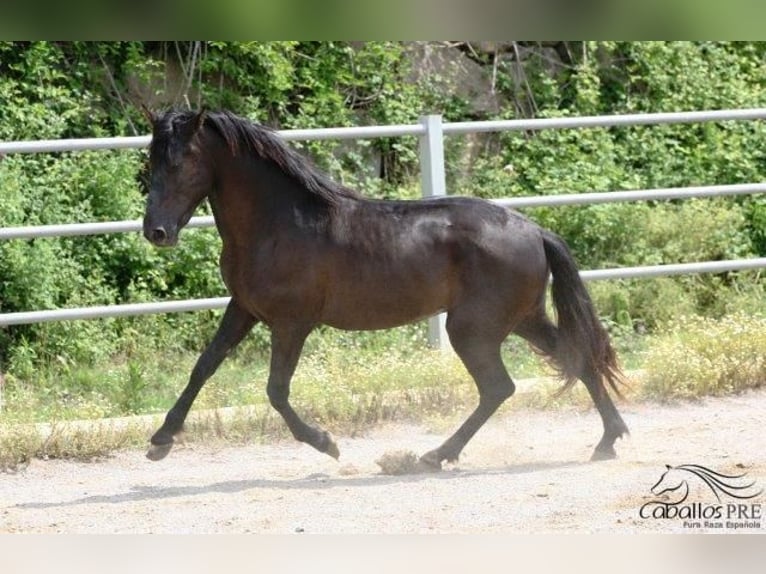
[611, 78]
[85, 89]
[755, 214]
[320, 84]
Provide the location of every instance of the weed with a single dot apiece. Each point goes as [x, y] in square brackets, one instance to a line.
[347, 384]
[697, 357]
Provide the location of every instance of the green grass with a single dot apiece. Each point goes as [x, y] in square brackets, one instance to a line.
[348, 383]
[344, 381]
[345, 392]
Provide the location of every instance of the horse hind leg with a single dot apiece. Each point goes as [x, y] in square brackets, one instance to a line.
[614, 426]
[480, 354]
[544, 335]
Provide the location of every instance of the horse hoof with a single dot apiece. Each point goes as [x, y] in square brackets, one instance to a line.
[603, 454]
[429, 462]
[331, 447]
[158, 451]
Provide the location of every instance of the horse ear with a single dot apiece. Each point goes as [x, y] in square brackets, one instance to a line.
[148, 114]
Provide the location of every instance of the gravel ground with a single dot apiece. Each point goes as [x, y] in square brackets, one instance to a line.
[527, 471]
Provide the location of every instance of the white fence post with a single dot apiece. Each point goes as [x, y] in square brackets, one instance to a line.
[433, 185]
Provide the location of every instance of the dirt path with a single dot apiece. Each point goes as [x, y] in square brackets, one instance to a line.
[526, 471]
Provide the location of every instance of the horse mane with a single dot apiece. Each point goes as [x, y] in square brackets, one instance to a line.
[243, 136]
[718, 482]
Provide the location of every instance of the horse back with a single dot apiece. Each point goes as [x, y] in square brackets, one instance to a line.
[390, 263]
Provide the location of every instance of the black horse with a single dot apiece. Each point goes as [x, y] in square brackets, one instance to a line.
[300, 250]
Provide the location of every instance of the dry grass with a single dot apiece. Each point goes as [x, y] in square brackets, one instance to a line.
[699, 357]
[349, 393]
[398, 462]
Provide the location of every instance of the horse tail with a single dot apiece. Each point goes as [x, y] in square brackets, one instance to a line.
[583, 343]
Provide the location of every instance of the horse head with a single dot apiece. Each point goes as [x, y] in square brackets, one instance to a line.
[671, 481]
[181, 175]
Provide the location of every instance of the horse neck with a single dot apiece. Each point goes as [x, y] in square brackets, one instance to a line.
[252, 196]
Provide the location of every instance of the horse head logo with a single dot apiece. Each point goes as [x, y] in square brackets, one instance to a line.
[675, 479]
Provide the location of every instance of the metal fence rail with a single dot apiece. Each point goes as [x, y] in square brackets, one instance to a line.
[631, 195]
[615, 120]
[73, 229]
[131, 309]
[134, 225]
[398, 130]
[431, 132]
[110, 311]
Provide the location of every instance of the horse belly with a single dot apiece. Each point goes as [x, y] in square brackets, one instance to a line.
[382, 301]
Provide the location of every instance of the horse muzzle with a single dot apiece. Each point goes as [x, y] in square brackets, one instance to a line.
[161, 235]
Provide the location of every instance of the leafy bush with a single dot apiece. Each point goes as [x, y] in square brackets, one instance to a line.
[78, 89]
[699, 356]
[630, 77]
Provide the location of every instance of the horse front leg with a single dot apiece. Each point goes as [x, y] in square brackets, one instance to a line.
[286, 345]
[235, 324]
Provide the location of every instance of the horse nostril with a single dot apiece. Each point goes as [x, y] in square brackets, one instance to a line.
[158, 235]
